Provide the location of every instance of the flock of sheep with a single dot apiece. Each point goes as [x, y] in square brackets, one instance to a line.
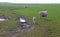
[41, 14]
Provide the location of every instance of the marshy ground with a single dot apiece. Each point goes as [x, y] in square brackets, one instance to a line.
[48, 27]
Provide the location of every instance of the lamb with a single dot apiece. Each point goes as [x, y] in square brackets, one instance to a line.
[34, 20]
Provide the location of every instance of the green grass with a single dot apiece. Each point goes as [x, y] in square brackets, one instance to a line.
[53, 21]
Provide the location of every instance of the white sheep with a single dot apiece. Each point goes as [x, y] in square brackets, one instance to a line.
[43, 14]
[34, 20]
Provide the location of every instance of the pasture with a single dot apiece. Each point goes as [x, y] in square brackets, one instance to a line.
[49, 27]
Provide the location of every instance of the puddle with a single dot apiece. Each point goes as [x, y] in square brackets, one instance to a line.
[22, 20]
[1, 19]
[24, 24]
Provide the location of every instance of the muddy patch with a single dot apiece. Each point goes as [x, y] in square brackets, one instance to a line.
[24, 21]
[4, 17]
[25, 26]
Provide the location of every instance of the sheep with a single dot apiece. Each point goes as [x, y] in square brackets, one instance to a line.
[43, 14]
[34, 20]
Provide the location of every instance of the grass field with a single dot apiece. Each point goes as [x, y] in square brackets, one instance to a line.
[43, 28]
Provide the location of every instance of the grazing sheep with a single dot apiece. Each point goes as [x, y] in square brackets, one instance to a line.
[43, 14]
[34, 20]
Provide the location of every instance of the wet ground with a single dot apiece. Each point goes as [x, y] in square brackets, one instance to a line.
[19, 30]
